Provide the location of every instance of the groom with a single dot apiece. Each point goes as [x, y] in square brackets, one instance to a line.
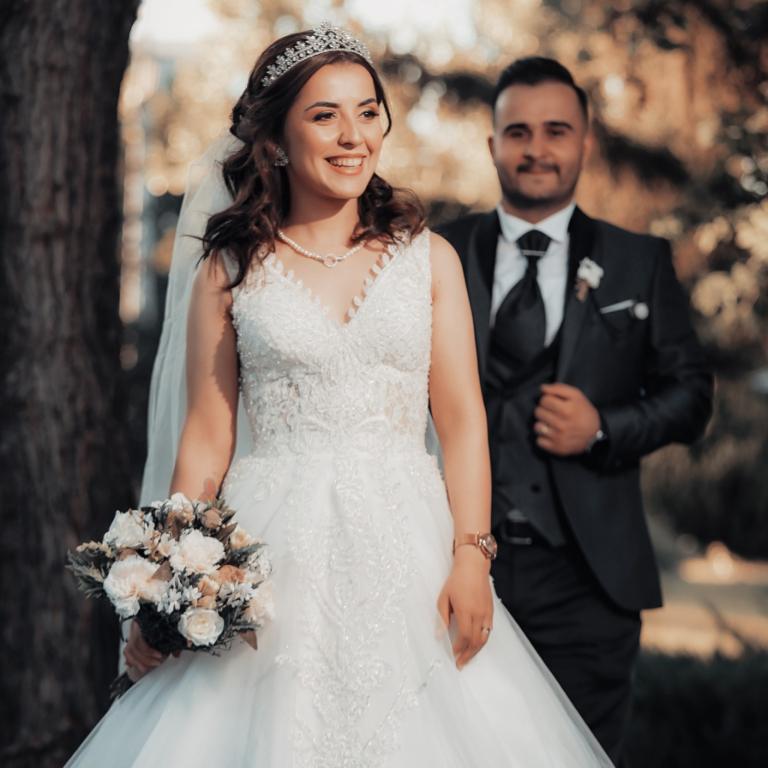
[588, 362]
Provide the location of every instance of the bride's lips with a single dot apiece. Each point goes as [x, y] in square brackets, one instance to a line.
[348, 165]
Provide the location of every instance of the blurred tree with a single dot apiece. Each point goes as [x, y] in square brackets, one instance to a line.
[62, 447]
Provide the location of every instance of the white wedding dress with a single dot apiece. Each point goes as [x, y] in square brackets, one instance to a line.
[354, 670]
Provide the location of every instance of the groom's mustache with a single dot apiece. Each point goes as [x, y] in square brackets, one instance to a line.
[537, 168]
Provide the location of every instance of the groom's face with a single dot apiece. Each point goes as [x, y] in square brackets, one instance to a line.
[539, 145]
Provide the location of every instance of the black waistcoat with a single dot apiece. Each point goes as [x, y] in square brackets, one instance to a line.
[520, 469]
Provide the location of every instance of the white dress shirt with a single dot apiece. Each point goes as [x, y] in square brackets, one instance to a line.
[552, 268]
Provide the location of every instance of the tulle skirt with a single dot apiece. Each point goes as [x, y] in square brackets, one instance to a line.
[355, 670]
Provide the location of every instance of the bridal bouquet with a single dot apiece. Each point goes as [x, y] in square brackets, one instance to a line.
[190, 577]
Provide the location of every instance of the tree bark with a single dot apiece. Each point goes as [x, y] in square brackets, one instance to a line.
[63, 452]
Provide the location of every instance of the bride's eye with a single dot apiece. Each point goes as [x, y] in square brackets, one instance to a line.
[322, 116]
[370, 113]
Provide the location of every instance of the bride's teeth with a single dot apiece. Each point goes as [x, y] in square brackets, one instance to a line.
[350, 162]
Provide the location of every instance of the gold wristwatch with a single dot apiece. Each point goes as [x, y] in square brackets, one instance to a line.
[485, 542]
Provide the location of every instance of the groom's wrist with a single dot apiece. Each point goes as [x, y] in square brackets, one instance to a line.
[599, 446]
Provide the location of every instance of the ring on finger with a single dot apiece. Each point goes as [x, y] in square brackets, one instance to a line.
[543, 429]
[486, 630]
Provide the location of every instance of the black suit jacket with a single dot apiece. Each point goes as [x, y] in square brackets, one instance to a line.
[648, 378]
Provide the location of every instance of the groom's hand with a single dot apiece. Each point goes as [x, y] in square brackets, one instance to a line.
[566, 421]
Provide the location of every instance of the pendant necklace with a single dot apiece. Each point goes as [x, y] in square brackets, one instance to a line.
[330, 260]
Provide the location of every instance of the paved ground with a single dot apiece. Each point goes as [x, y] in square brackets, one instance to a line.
[714, 601]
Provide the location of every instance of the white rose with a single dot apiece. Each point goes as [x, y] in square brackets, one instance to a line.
[127, 530]
[197, 553]
[262, 605]
[130, 581]
[201, 626]
[590, 272]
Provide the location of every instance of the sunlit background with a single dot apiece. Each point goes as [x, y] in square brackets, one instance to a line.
[679, 110]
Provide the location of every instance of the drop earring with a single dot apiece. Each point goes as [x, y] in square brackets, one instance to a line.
[281, 159]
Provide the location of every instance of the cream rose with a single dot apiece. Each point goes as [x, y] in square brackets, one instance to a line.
[262, 605]
[240, 538]
[130, 581]
[127, 530]
[197, 553]
[201, 626]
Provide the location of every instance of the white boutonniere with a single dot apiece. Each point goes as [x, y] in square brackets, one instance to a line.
[588, 276]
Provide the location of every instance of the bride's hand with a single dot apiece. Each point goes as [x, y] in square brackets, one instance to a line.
[140, 656]
[467, 594]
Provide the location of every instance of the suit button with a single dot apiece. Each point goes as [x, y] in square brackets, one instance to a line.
[536, 488]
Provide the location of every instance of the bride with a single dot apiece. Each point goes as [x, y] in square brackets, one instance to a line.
[325, 305]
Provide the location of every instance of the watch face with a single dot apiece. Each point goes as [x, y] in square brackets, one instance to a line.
[488, 545]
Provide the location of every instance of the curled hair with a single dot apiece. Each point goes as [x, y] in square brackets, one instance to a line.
[247, 229]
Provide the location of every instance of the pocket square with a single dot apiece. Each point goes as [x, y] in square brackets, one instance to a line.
[637, 309]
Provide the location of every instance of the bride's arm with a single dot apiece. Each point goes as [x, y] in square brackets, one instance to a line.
[208, 437]
[459, 416]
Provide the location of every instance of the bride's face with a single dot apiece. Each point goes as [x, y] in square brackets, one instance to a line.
[333, 133]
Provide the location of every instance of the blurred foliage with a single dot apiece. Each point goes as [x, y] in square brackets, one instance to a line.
[718, 489]
[690, 713]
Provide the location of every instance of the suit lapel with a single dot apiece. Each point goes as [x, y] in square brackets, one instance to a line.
[583, 243]
[481, 260]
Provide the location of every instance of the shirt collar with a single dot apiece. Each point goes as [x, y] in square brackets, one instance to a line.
[554, 226]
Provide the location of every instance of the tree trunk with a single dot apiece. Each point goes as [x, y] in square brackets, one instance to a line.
[63, 459]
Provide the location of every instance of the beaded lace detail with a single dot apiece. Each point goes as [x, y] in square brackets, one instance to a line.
[309, 383]
[318, 391]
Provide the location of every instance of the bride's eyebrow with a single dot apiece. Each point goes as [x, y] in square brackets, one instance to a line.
[332, 105]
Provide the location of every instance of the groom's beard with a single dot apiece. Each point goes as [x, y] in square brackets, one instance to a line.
[517, 197]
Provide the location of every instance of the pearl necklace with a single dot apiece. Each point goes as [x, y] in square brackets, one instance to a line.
[330, 260]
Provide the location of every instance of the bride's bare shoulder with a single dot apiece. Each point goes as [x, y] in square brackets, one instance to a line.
[212, 283]
[444, 260]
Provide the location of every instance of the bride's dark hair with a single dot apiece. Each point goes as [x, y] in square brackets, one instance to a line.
[248, 228]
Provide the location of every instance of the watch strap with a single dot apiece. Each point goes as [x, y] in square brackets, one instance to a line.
[466, 538]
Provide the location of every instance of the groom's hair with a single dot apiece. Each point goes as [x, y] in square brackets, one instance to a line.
[533, 70]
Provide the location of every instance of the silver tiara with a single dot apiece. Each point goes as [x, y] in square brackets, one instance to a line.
[324, 38]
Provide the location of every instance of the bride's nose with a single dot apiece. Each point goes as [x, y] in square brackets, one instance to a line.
[350, 132]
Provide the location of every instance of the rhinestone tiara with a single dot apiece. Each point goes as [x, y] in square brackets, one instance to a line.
[323, 39]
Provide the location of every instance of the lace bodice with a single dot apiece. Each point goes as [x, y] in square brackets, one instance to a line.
[310, 383]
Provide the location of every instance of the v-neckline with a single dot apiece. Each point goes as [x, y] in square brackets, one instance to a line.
[358, 301]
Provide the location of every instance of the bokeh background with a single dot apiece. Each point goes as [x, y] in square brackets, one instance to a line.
[679, 96]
